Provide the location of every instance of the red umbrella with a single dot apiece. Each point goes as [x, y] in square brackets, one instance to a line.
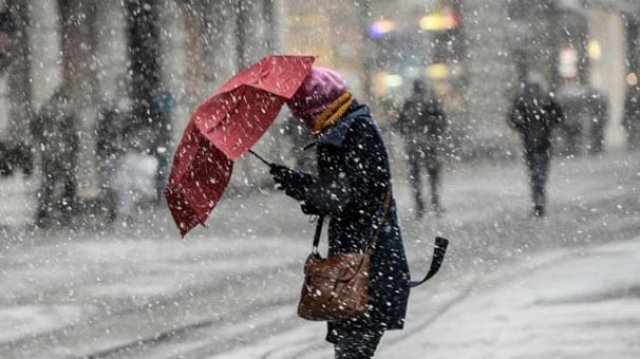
[222, 128]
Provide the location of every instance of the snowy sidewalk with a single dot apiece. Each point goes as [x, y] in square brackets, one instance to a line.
[567, 303]
[230, 290]
[564, 304]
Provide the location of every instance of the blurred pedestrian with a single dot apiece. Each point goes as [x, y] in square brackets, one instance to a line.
[7, 38]
[15, 156]
[352, 182]
[534, 115]
[422, 123]
[160, 146]
[55, 132]
[573, 97]
[631, 119]
[598, 118]
[110, 124]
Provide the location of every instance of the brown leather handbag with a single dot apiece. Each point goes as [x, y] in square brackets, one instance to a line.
[337, 287]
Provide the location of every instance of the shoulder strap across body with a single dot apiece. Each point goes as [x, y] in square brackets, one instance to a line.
[371, 246]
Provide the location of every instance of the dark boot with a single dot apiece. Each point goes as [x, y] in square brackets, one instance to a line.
[538, 211]
[434, 182]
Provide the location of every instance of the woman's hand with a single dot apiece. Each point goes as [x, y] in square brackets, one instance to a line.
[292, 182]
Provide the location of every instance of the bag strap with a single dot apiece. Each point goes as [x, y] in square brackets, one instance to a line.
[316, 237]
[374, 241]
[438, 257]
[385, 209]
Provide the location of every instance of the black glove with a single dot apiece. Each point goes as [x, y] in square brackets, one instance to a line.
[292, 182]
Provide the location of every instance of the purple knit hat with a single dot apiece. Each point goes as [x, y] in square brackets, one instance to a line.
[318, 90]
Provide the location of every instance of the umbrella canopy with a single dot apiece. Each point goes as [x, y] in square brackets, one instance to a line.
[222, 128]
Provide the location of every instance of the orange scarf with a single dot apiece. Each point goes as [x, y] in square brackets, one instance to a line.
[332, 114]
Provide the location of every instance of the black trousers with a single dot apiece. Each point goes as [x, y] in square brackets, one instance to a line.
[47, 199]
[420, 159]
[538, 164]
[358, 344]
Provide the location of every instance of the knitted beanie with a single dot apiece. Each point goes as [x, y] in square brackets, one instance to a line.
[319, 89]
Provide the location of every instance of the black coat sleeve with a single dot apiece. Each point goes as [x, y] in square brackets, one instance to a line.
[556, 115]
[518, 114]
[349, 188]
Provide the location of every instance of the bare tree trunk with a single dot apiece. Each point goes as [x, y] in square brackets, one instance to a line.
[243, 25]
[144, 53]
[367, 65]
[79, 78]
[19, 80]
[242, 30]
[91, 86]
[270, 16]
[78, 45]
[632, 29]
[69, 44]
[195, 24]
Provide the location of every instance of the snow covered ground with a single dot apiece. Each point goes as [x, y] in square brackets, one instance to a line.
[559, 304]
[513, 286]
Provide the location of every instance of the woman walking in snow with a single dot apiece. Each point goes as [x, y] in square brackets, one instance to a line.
[353, 178]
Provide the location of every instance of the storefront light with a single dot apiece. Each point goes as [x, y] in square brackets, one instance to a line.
[380, 27]
[393, 80]
[631, 79]
[594, 50]
[384, 82]
[439, 21]
[437, 71]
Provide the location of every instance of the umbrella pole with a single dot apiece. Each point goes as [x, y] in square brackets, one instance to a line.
[260, 158]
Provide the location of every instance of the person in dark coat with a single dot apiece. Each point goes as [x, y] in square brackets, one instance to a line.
[14, 157]
[631, 119]
[586, 114]
[110, 124]
[55, 130]
[573, 97]
[422, 123]
[353, 177]
[535, 114]
[160, 148]
[598, 118]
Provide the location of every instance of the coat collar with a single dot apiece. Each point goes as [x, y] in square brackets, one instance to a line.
[336, 134]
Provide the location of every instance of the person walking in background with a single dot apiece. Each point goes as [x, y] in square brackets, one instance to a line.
[352, 182]
[572, 96]
[55, 131]
[534, 115]
[422, 123]
[586, 114]
[599, 116]
[161, 146]
[631, 119]
[110, 123]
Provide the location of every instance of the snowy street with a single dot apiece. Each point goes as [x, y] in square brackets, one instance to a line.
[512, 286]
[156, 157]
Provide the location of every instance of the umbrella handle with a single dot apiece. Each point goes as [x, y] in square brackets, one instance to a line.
[260, 158]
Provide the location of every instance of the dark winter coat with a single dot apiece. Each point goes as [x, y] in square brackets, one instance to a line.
[535, 115]
[56, 132]
[353, 175]
[422, 122]
[631, 118]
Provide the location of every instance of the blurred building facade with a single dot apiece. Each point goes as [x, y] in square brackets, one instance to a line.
[475, 52]
[478, 52]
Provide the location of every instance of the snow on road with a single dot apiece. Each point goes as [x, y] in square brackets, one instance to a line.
[512, 285]
[580, 304]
